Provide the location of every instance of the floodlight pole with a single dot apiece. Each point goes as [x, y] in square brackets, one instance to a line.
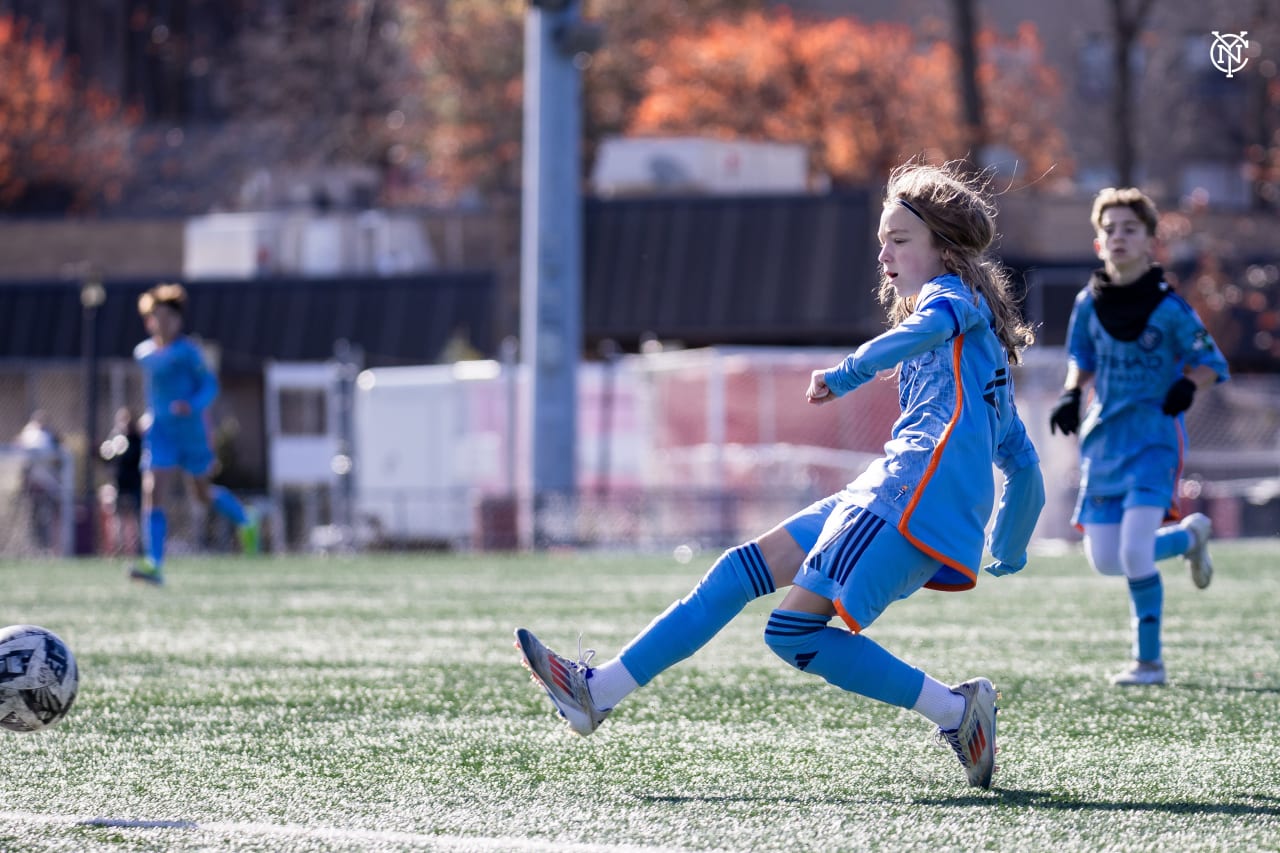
[92, 295]
[551, 258]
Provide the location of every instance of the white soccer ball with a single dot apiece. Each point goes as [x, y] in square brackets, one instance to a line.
[38, 678]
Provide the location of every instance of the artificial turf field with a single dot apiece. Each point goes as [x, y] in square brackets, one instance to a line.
[376, 703]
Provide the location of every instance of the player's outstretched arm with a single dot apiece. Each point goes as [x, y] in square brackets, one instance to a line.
[927, 329]
[1016, 519]
[1020, 502]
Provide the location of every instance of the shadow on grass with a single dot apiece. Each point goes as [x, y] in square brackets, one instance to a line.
[1263, 805]
[1260, 804]
[678, 799]
[1229, 688]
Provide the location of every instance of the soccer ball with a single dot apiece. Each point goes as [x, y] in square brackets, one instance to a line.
[38, 678]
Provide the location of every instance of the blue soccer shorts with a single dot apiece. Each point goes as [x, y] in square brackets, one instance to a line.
[806, 525]
[1148, 480]
[862, 564]
[169, 448]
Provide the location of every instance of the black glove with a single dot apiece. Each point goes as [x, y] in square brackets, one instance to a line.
[1066, 414]
[1179, 396]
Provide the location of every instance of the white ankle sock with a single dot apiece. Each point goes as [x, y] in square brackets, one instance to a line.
[610, 683]
[939, 704]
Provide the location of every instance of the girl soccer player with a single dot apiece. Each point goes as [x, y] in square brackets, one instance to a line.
[915, 517]
[179, 388]
[1146, 353]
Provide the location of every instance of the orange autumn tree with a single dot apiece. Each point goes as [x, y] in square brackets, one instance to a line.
[1023, 96]
[634, 35]
[470, 54]
[1262, 153]
[471, 91]
[54, 136]
[861, 97]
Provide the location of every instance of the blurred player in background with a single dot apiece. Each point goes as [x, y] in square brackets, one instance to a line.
[914, 518]
[1146, 353]
[179, 389]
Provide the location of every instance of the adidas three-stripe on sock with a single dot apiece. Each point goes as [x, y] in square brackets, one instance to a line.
[740, 575]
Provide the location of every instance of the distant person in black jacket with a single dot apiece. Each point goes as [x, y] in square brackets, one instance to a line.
[123, 451]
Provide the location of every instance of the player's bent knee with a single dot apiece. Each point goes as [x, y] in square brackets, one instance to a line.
[1107, 568]
[793, 636]
[1104, 561]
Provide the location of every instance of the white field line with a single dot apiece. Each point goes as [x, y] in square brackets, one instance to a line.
[333, 833]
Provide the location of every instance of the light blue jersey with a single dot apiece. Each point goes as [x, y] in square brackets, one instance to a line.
[934, 483]
[173, 373]
[1127, 444]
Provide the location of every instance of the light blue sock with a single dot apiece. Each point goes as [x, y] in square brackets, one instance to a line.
[153, 536]
[740, 575]
[1146, 601]
[227, 506]
[849, 661]
[1172, 541]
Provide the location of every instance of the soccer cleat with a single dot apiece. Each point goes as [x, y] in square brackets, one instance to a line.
[1199, 526]
[974, 742]
[564, 680]
[147, 572]
[1140, 672]
[250, 534]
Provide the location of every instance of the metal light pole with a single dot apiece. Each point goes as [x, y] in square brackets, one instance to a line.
[557, 45]
[92, 295]
[349, 359]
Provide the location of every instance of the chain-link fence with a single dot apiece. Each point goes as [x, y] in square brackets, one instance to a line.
[62, 501]
[699, 447]
[37, 506]
[708, 447]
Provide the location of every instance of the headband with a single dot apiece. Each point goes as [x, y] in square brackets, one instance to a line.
[909, 206]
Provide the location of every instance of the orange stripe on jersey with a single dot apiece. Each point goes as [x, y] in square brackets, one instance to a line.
[848, 620]
[934, 461]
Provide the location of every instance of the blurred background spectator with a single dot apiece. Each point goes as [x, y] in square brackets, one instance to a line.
[121, 499]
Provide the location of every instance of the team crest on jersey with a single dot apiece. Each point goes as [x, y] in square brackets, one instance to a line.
[1150, 338]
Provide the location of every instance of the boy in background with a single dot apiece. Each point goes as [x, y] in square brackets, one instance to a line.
[1146, 354]
[179, 390]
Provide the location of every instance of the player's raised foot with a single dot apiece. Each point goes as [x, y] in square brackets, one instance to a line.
[974, 741]
[1140, 672]
[147, 572]
[1200, 528]
[564, 680]
[250, 534]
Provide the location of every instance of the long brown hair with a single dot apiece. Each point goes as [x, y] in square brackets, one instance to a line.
[963, 223]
